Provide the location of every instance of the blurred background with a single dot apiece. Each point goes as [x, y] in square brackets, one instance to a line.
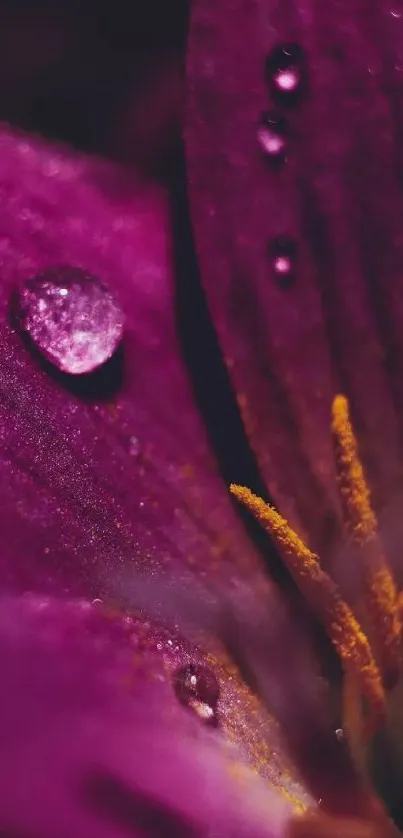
[103, 75]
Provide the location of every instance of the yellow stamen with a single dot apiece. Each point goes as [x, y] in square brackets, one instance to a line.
[361, 527]
[341, 625]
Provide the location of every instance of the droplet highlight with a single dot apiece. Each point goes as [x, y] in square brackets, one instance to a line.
[272, 136]
[71, 317]
[197, 687]
[282, 255]
[286, 72]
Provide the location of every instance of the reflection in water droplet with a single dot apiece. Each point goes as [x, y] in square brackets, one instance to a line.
[272, 136]
[340, 734]
[197, 687]
[71, 318]
[286, 72]
[282, 254]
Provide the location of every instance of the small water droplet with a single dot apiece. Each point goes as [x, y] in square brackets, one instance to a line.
[286, 72]
[97, 603]
[197, 687]
[71, 318]
[272, 136]
[339, 734]
[282, 254]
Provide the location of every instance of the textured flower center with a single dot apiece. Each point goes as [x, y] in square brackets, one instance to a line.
[371, 658]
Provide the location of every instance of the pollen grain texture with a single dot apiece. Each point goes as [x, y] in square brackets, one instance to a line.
[372, 665]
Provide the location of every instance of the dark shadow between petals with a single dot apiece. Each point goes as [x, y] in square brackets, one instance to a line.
[209, 377]
[217, 403]
[132, 808]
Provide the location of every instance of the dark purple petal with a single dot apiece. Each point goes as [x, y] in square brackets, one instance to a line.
[95, 743]
[338, 325]
[93, 490]
[318, 825]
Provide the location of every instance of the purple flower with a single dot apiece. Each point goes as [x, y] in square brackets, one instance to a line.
[294, 162]
[146, 653]
[104, 491]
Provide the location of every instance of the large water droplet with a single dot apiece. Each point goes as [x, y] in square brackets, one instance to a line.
[197, 687]
[272, 136]
[282, 254]
[71, 318]
[286, 72]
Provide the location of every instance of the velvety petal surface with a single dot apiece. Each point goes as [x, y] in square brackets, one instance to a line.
[95, 743]
[107, 483]
[337, 325]
[111, 473]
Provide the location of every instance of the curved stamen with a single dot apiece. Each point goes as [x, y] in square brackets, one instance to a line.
[323, 595]
[361, 527]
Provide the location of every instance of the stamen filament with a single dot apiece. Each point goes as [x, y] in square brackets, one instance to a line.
[361, 527]
[321, 592]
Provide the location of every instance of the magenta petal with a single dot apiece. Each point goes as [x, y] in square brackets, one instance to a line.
[98, 496]
[93, 742]
[338, 325]
[91, 491]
